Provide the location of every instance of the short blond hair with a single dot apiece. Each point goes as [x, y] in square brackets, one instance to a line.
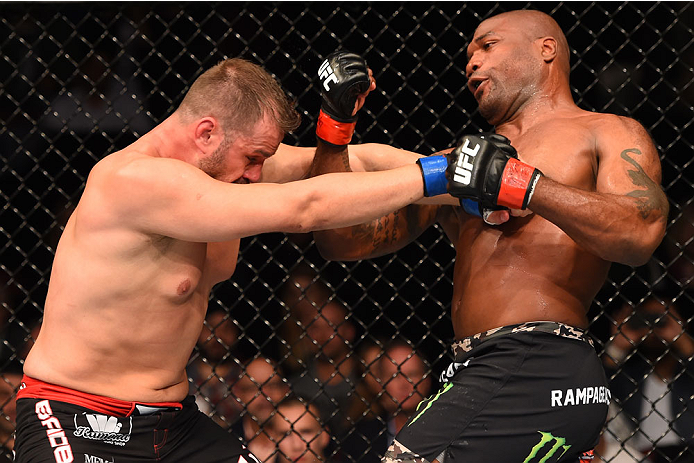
[238, 94]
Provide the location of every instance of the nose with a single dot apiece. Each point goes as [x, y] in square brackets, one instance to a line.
[253, 173]
[296, 443]
[473, 65]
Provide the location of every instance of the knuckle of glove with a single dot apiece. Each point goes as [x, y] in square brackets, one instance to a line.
[350, 79]
[502, 143]
[474, 169]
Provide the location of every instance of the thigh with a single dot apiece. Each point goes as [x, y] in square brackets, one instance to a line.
[193, 436]
[52, 431]
[441, 419]
[527, 398]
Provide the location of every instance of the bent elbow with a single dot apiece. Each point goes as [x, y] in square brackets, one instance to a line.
[328, 252]
[333, 246]
[636, 259]
[645, 244]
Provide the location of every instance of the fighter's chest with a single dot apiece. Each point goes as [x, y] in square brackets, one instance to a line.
[563, 152]
[188, 268]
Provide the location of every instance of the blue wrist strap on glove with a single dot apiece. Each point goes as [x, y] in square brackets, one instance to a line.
[471, 207]
[434, 173]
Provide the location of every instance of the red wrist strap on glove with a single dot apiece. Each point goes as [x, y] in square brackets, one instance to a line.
[334, 132]
[517, 184]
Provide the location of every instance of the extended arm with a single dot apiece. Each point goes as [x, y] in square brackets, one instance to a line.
[624, 219]
[292, 163]
[371, 239]
[184, 203]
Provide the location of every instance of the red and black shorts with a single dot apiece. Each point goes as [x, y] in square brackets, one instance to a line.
[60, 425]
[531, 393]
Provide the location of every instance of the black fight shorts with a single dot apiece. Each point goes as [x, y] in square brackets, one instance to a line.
[59, 432]
[530, 393]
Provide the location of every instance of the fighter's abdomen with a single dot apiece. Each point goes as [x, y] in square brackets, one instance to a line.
[526, 270]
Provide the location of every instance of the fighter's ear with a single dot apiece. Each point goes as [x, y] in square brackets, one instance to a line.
[204, 132]
[548, 48]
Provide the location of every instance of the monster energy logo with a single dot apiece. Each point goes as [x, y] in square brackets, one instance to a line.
[546, 439]
[430, 400]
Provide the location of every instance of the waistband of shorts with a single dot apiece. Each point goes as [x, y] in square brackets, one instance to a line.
[36, 389]
[466, 345]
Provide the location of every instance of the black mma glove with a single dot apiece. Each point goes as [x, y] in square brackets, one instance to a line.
[486, 168]
[343, 76]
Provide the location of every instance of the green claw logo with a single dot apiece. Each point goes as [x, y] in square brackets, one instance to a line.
[547, 438]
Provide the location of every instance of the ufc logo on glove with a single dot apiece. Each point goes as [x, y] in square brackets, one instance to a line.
[463, 169]
[326, 72]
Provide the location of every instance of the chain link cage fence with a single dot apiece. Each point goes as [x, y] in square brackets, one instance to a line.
[80, 80]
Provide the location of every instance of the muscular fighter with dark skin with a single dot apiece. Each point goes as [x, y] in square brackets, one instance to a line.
[599, 200]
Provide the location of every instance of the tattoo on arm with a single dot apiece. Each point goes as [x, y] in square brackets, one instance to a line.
[381, 232]
[345, 161]
[650, 199]
[386, 232]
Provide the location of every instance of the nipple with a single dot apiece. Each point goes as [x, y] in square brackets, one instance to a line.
[184, 287]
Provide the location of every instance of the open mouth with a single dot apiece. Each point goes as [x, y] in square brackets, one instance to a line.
[475, 85]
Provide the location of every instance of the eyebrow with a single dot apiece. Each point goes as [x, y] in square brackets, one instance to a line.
[481, 38]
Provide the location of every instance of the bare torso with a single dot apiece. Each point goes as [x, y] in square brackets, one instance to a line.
[124, 308]
[528, 269]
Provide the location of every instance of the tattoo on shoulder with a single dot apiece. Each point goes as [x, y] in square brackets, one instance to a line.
[651, 198]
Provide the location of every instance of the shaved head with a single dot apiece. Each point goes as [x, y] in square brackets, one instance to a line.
[536, 24]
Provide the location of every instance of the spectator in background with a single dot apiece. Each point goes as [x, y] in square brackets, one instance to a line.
[9, 383]
[369, 389]
[298, 432]
[303, 294]
[329, 370]
[613, 446]
[679, 248]
[259, 389]
[212, 370]
[301, 297]
[405, 381]
[402, 376]
[10, 380]
[650, 362]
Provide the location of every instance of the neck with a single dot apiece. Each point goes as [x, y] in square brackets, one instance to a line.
[542, 105]
[167, 140]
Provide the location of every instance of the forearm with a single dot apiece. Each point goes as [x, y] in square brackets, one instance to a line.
[363, 241]
[374, 238]
[348, 243]
[375, 156]
[616, 228]
[342, 200]
[329, 158]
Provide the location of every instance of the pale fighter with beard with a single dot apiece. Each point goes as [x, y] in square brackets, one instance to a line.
[526, 385]
[158, 224]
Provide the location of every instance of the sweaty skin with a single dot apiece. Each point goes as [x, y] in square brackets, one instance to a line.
[154, 231]
[599, 201]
